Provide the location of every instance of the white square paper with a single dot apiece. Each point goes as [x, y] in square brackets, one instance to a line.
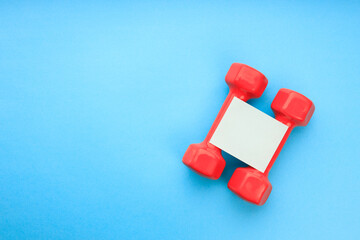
[248, 134]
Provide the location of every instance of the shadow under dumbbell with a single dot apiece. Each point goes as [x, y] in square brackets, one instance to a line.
[231, 164]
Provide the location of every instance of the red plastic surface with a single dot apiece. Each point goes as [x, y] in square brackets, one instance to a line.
[290, 108]
[244, 82]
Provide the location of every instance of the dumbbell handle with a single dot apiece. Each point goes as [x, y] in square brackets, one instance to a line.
[291, 126]
[229, 98]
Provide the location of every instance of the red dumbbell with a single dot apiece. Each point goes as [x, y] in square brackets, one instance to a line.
[244, 82]
[290, 108]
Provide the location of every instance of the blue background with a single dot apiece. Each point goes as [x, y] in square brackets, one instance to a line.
[99, 101]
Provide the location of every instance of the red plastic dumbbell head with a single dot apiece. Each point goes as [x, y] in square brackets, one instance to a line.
[251, 185]
[290, 108]
[293, 107]
[246, 80]
[204, 160]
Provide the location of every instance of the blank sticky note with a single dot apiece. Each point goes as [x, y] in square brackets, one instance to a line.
[248, 134]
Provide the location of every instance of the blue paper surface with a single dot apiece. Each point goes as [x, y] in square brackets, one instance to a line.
[99, 101]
